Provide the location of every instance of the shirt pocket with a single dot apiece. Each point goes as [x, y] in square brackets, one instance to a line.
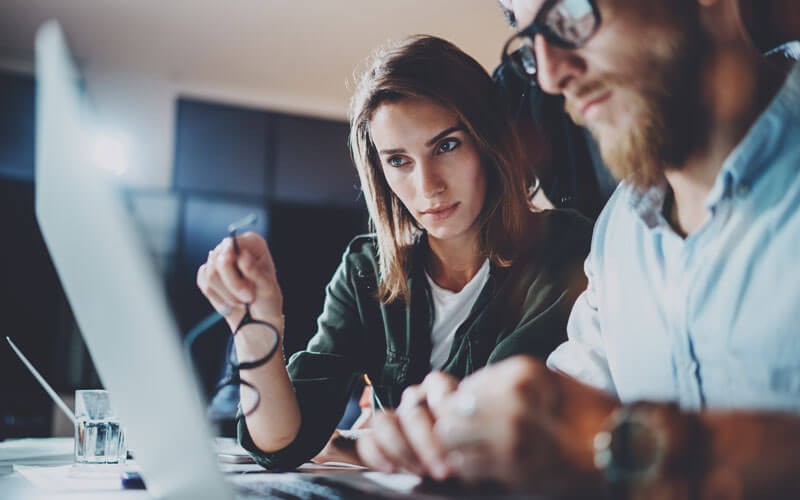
[785, 380]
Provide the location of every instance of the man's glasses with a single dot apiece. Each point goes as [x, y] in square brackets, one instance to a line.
[259, 341]
[568, 24]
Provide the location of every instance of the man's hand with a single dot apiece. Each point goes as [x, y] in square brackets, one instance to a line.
[523, 425]
[404, 440]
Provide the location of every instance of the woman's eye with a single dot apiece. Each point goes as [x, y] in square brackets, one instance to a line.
[396, 161]
[448, 145]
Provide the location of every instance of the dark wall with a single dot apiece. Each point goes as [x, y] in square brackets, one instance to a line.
[294, 172]
[33, 309]
[16, 125]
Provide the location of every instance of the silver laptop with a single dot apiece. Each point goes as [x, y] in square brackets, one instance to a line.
[115, 291]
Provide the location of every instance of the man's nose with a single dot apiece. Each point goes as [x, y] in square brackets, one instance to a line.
[556, 67]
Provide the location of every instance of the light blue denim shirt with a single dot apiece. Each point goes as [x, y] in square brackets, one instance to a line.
[713, 320]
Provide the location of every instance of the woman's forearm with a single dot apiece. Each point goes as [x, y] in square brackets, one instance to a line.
[276, 420]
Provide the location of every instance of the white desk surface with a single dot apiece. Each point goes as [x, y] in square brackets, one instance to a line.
[59, 480]
[49, 464]
[45, 452]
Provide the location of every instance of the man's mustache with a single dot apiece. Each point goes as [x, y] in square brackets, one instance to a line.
[573, 98]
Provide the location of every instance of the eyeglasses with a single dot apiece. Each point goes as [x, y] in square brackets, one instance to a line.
[568, 24]
[259, 340]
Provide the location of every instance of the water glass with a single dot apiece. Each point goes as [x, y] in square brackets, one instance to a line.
[99, 438]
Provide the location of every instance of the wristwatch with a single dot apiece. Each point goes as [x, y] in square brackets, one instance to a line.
[645, 443]
[631, 448]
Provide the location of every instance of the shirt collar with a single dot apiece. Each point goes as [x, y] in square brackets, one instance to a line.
[754, 153]
[648, 203]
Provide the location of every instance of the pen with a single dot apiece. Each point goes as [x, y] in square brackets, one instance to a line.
[49, 390]
[375, 398]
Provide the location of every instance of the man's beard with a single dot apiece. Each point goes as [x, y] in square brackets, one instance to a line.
[667, 120]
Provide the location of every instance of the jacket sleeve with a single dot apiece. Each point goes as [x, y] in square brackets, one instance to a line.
[548, 287]
[322, 375]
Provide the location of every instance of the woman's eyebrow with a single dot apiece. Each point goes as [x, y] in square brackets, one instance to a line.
[444, 133]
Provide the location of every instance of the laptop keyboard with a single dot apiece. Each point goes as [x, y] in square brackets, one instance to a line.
[316, 488]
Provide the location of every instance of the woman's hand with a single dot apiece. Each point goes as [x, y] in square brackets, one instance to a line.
[229, 281]
[404, 440]
[341, 447]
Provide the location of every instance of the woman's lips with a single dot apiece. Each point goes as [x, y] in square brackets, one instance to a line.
[440, 213]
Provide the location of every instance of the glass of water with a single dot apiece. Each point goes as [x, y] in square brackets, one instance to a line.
[99, 438]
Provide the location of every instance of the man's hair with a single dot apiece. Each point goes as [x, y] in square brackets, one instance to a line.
[430, 68]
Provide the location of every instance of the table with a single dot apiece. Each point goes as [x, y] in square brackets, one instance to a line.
[48, 462]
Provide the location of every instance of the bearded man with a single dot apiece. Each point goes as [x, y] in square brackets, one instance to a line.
[693, 303]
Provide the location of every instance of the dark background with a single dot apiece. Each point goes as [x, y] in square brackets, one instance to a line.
[294, 172]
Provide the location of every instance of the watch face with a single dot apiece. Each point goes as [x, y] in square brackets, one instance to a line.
[635, 447]
[632, 450]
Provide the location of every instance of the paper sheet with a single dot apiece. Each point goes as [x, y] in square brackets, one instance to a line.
[66, 478]
[35, 449]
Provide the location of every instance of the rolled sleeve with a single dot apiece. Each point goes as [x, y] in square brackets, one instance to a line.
[583, 355]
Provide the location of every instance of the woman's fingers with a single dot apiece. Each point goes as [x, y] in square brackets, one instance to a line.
[230, 275]
[417, 424]
[437, 387]
[371, 455]
[211, 285]
[392, 443]
[231, 279]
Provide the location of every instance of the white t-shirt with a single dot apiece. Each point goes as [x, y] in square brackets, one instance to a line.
[450, 309]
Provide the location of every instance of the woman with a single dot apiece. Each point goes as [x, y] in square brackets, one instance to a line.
[458, 273]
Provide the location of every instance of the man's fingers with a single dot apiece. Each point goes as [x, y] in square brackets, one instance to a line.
[473, 465]
[455, 432]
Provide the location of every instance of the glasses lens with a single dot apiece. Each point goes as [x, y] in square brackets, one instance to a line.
[230, 397]
[572, 21]
[248, 398]
[519, 53]
[255, 342]
[225, 404]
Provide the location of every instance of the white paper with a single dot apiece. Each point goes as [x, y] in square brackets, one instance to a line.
[26, 450]
[71, 478]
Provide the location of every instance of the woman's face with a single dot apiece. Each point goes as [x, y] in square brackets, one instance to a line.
[432, 164]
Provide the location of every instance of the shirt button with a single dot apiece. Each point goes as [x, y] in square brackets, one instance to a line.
[742, 190]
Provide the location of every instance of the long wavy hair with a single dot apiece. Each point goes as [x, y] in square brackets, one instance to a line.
[431, 68]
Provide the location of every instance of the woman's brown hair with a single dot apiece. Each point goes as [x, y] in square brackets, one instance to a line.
[431, 68]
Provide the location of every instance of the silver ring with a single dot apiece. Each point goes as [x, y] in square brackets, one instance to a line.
[466, 405]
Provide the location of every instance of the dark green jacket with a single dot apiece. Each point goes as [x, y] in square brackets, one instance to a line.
[522, 309]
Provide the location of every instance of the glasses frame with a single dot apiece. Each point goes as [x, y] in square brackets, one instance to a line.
[523, 60]
[248, 319]
[233, 378]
